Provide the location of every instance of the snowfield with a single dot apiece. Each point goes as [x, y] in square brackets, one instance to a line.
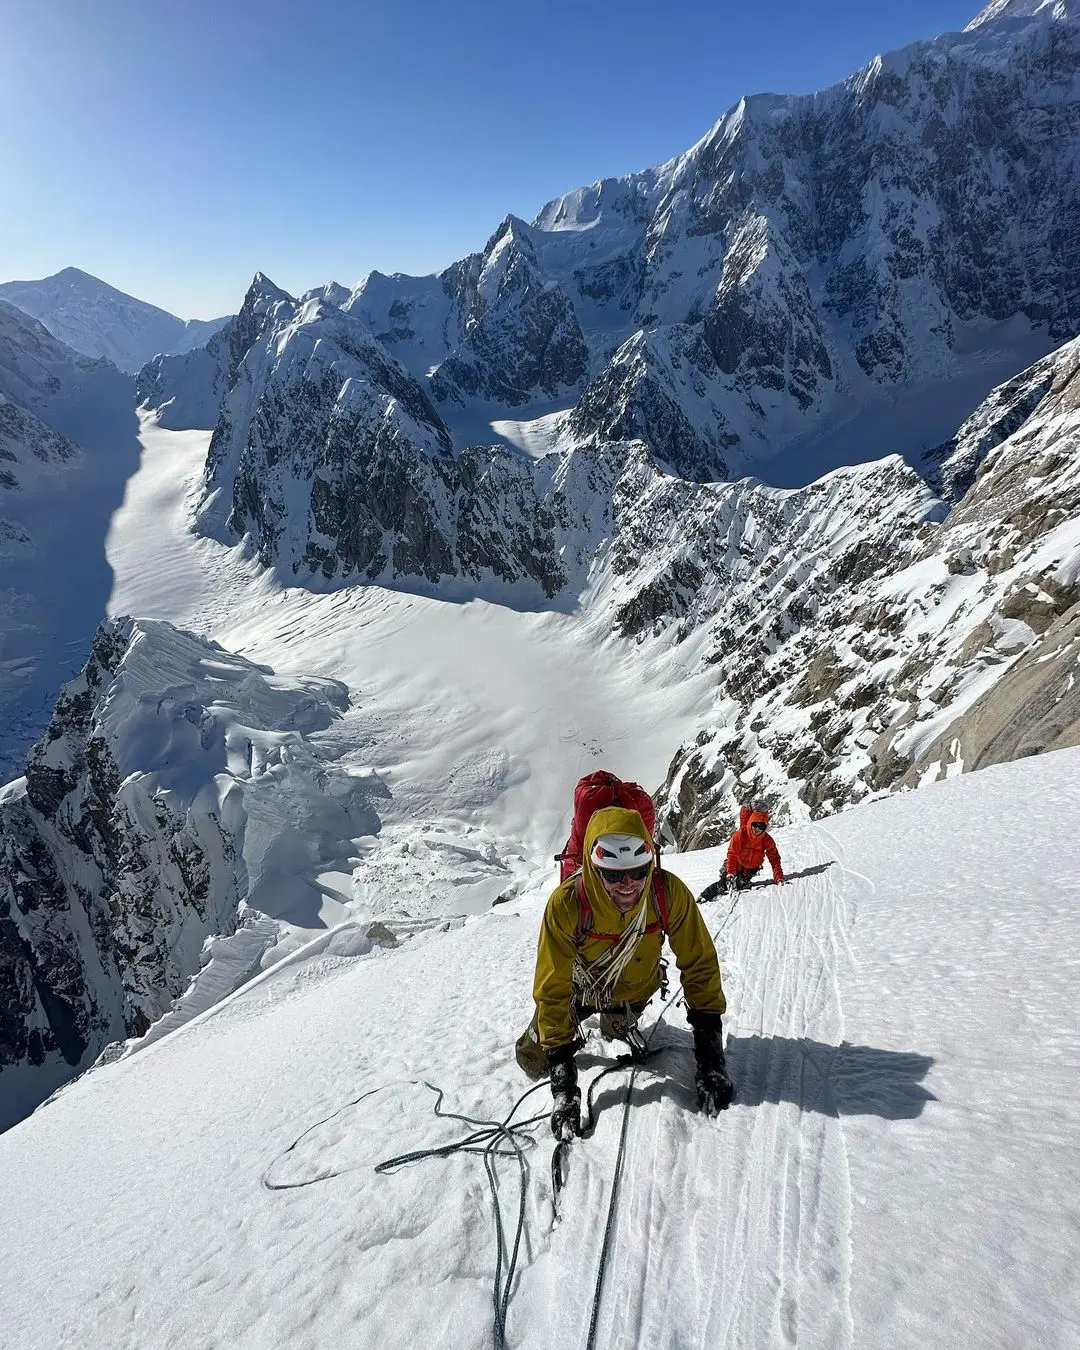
[899, 1169]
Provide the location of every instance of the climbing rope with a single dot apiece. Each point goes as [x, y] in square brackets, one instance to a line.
[609, 1226]
[500, 1139]
[561, 1150]
[490, 1139]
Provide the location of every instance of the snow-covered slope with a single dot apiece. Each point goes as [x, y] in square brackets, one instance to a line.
[898, 1169]
[51, 379]
[98, 320]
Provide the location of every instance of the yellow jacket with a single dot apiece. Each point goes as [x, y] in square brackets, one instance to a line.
[559, 944]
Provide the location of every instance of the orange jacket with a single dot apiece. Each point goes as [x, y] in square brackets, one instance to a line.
[747, 851]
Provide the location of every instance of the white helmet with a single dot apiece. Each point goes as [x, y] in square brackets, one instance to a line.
[620, 852]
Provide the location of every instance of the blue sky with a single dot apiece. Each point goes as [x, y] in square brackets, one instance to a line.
[174, 149]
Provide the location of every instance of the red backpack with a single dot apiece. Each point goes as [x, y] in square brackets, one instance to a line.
[592, 792]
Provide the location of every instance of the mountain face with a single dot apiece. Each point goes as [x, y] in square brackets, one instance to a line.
[141, 829]
[47, 377]
[29, 451]
[100, 321]
[67, 446]
[876, 248]
[913, 653]
[331, 457]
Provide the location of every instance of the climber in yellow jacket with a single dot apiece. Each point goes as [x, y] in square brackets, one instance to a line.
[599, 952]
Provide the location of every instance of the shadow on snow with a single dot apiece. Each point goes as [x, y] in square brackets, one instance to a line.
[833, 1080]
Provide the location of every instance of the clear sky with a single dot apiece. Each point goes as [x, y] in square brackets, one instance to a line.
[175, 147]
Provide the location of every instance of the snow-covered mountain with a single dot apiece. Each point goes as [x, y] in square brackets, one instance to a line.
[29, 450]
[98, 320]
[805, 601]
[155, 819]
[332, 459]
[47, 377]
[819, 277]
[898, 1170]
[890, 654]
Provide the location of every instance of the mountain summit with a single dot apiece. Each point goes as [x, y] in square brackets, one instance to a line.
[98, 320]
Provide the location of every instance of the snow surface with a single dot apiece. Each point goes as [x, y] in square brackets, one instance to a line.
[899, 1168]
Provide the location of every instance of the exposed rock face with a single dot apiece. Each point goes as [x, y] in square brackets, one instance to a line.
[28, 449]
[914, 651]
[141, 828]
[520, 336]
[99, 321]
[951, 467]
[643, 394]
[331, 457]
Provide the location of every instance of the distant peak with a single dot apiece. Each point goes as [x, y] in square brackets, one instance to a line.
[76, 276]
[261, 285]
[1019, 9]
[263, 296]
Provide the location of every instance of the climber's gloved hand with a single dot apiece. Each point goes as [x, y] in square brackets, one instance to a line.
[565, 1094]
[714, 1086]
[714, 1090]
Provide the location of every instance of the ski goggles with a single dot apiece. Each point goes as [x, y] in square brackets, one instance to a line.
[758, 826]
[613, 875]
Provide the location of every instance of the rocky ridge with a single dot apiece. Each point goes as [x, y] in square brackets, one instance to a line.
[915, 651]
[332, 460]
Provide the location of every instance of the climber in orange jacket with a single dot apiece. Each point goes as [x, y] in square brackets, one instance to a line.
[750, 845]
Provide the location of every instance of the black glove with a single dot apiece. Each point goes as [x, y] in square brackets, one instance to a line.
[713, 1084]
[566, 1096]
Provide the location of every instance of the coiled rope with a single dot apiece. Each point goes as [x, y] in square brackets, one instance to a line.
[490, 1139]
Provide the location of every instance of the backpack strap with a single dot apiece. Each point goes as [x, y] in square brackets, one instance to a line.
[660, 894]
[585, 914]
